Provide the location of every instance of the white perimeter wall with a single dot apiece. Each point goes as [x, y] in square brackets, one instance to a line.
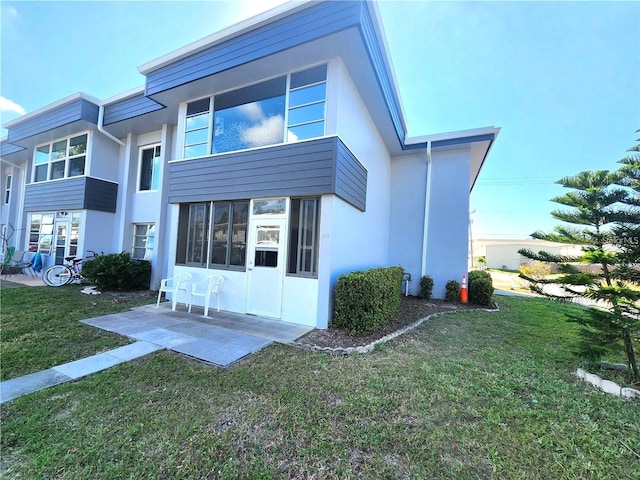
[408, 186]
[351, 239]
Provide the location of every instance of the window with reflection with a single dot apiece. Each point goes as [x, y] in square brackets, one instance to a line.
[63, 158]
[249, 117]
[284, 109]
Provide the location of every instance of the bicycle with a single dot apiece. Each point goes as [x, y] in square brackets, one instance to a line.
[69, 272]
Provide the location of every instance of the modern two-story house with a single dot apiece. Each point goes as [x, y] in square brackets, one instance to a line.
[274, 153]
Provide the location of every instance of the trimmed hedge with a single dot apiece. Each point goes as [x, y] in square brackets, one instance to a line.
[426, 287]
[117, 272]
[366, 300]
[452, 291]
[480, 287]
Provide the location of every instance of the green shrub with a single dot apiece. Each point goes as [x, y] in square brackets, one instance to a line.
[426, 287]
[366, 300]
[452, 291]
[117, 272]
[480, 287]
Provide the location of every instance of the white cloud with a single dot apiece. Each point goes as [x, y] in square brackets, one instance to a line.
[7, 105]
[267, 132]
[252, 111]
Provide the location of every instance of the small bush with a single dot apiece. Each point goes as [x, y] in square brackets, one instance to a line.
[117, 272]
[366, 300]
[536, 269]
[452, 291]
[426, 287]
[480, 287]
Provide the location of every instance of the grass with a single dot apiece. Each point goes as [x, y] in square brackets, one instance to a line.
[466, 395]
[40, 328]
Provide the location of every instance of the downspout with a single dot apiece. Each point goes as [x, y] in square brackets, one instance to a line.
[427, 201]
[101, 127]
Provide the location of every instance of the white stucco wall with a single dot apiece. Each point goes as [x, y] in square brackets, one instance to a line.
[406, 232]
[448, 227]
[351, 239]
[104, 158]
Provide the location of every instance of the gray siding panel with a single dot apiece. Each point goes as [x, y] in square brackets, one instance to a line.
[314, 167]
[55, 196]
[7, 149]
[100, 195]
[303, 168]
[312, 23]
[351, 178]
[129, 108]
[71, 194]
[79, 109]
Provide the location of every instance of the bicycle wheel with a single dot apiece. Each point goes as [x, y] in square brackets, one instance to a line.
[57, 275]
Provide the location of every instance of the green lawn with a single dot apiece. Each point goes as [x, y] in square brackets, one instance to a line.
[40, 328]
[466, 395]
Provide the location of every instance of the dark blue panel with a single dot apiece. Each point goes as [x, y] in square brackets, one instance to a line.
[319, 20]
[129, 108]
[76, 110]
[100, 195]
[350, 178]
[90, 112]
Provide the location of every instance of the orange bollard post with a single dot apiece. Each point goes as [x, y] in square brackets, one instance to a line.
[464, 294]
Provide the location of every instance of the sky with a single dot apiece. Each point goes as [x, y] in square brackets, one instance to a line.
[561, 79]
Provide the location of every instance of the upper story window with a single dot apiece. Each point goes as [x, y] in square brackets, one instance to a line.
[149, 168]
[61, 159]
[7, 189]
[287, 108]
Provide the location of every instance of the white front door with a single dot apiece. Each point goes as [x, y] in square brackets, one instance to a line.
[266, 266]
[61, 241]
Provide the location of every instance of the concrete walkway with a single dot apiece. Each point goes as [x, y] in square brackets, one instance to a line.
[222, 339]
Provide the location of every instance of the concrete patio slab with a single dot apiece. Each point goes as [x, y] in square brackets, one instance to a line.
[213, 352]
[162, 337]
[253, 344]
[10, 389]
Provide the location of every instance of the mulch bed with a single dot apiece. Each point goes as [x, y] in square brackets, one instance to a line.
[411, 309]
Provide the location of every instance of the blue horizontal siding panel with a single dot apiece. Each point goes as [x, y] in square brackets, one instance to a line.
[59, 195]
[79, 193]
[7, 149]
[313, 167]
[317, 21]
[376, 58]
[350, 178]
[79, 109]
[129, 108]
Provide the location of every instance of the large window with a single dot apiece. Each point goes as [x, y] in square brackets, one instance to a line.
[287, 108]
[41, 232]
[61, 159]
[149, 167]
[303, 237]
[143, 240]
[213, 234]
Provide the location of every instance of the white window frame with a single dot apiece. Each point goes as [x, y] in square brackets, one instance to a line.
[8, 180]
[155, 167]
[67, 158]
[148, 246]
[182, 115]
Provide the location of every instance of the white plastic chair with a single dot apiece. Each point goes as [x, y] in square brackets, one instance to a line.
[211, 283]
[174, 285]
